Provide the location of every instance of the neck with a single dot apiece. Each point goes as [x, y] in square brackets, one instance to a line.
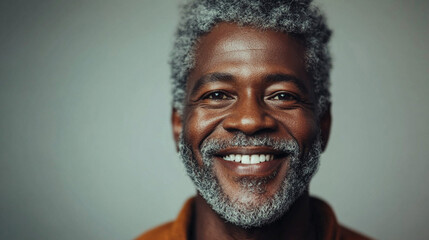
[294, 224]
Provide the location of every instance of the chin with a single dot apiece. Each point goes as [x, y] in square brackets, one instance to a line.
[250, 202]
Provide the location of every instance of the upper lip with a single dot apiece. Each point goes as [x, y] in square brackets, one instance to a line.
[249, 150]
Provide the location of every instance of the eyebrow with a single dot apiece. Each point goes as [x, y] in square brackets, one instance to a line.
[269, 78]
[212, 77]
[281, 77]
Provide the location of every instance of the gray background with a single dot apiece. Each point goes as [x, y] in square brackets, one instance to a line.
[85, 139]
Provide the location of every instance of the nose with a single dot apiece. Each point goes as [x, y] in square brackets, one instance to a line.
[250, 117]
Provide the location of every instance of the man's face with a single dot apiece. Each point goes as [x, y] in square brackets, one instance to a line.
[249, 119]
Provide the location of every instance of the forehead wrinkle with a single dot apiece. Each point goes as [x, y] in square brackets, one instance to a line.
[244, 57]
[252, 43]
[242, 38]
[244, 49]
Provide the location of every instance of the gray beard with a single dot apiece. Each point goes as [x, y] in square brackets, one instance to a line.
[257, 210]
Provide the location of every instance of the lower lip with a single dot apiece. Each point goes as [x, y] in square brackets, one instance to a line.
[262, 169]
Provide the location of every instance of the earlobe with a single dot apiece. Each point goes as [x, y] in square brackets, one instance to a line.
[325, 127]
[176, 121]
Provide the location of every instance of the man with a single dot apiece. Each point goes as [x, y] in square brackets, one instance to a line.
[251, 115]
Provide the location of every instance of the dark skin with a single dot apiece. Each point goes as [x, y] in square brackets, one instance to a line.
[254, 82]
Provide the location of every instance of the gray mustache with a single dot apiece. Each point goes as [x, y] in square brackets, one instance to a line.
[211, 146]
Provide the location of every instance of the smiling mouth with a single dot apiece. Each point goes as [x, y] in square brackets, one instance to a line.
[253, 163]
[248, 159]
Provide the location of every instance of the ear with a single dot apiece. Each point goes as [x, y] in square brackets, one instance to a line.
[325, 126]
[176, 122]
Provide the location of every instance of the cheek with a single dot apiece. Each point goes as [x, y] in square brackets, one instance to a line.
[198, 125]
[302, 125]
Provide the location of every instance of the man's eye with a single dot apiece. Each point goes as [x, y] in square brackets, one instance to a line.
[284, 97]
[217, 96]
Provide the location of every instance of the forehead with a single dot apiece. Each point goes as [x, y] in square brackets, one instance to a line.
[244, 50]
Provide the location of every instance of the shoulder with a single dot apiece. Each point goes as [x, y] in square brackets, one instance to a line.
[158, 233]
[177, 229]
[328, 225]
[348, 234]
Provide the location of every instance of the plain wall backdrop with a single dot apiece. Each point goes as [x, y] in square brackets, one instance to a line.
[85, 139]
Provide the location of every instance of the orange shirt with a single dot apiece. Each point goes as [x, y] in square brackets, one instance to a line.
[322, 212]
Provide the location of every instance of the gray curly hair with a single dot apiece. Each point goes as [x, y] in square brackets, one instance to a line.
[299, 18]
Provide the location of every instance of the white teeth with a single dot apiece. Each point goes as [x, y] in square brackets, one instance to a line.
[249, 159]
[245, 159]
[254, 159]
